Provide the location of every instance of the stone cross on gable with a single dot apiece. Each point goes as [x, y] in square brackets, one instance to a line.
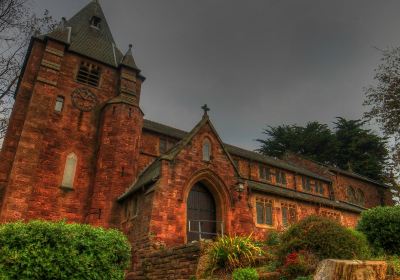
[205, 109]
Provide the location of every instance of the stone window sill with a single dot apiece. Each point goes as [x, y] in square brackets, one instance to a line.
[265, 226]
[65, 188]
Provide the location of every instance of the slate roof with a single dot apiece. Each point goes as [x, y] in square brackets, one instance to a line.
[232, 150]
[148, 177]
[152, 173]
[273, 162]
[85, 39]
[164, 129]
[285, 192]
[128, 59]
[357, 176]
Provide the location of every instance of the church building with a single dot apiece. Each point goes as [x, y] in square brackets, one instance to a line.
[79, 148]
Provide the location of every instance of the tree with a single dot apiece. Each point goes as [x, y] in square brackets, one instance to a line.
[383, 98]
[315, 141]
[17, 25]
[349, 146]
[359, 149]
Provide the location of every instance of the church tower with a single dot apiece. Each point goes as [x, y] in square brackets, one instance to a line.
[72, 143]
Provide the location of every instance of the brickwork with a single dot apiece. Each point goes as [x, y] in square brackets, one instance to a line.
[374, 194]
[47, 137]
[177, 263]
[168, 219]
[18, 116]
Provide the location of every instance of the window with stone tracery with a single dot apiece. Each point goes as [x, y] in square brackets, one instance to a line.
[351, 194]
[330, 214]
[264, 211]
[289, 214]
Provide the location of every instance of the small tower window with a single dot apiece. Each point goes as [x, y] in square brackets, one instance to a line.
[59, 104]
[95, 22]
[206, 150]
[69, 171]
[88, 74]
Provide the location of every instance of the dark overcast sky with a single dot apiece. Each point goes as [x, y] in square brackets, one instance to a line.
[255, 62]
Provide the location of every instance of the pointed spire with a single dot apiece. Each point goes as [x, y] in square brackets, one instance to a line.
[128, 59]
[81, 36]
[60, 33]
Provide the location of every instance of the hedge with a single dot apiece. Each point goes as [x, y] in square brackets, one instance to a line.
[57, 250]
[381, 225]
[325, 238]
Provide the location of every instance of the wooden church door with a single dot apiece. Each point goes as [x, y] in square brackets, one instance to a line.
[201, 214]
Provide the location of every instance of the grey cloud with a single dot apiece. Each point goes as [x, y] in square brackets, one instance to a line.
[255, 63]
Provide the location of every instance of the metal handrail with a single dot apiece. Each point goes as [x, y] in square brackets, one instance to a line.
[200, 232]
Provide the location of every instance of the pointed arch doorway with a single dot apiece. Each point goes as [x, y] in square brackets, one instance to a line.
[201, 213]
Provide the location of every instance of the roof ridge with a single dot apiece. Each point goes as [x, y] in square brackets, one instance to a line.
[231, 149]
[338, 169]
[152, 125]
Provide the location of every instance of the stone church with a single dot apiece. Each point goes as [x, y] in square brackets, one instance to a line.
[78, 148]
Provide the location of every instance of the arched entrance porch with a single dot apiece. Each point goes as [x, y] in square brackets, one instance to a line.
[201, 213]
[213, 187]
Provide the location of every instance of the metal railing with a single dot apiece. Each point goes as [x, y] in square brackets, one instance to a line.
[199, 223]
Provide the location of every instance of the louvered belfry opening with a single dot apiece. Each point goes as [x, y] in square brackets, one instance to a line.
[88, 74]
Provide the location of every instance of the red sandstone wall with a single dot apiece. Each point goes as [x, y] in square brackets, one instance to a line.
[294, 181]
[47, 137]
[169, 220]
[303, 210]
[117, 160]
[18, 115]
[374, 195]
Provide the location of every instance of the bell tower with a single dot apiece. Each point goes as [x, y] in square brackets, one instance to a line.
[72, 143]
[119, 140]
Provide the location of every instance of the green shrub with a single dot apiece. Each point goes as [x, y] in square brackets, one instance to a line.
[233, 252]
[393, 266]
[273, 238]
[323, 237]
[245, 274]
[381, 225]
[304, 278]
[361, 242]
[57, 250]
[271, 266]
